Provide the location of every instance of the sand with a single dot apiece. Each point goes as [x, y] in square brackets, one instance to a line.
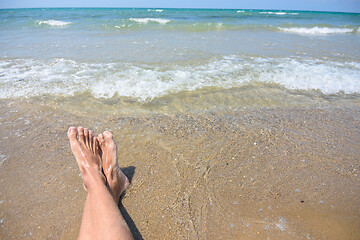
[260, 173]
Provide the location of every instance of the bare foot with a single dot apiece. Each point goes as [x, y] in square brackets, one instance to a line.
[86, 150]
[117, 182]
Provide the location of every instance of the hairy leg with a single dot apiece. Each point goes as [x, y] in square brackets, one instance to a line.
[101, 218]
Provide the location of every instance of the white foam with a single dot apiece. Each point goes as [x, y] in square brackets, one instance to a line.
[155, 10]
[147, 20]
[28, 77]
[240, 11]
[316, 30]
[54, 23]
[122, 26]
[276, 13]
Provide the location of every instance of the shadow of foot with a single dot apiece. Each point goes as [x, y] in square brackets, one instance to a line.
[129, 172]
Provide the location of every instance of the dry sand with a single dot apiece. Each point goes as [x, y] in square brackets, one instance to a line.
[275, 173]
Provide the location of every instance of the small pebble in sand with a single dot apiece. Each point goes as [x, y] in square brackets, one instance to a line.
[321, 202]
[282, 224]
[2, 159]
[260, 210]
[297, 190]
[236, 202]
[255, 143]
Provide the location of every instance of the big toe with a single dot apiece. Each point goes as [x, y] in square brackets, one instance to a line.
[72, 134]
[101, 140]
[110, 144]
[108, 137]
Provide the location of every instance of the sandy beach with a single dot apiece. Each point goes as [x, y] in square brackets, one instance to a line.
[261, 173]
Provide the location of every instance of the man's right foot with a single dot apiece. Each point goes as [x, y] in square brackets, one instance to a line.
[116, 180]
[87, 153]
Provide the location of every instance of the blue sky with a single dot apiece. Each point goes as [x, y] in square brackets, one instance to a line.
[321, 5]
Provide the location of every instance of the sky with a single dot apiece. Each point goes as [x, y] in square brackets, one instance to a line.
[315, 5]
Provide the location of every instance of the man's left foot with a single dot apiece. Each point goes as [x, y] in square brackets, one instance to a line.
[117, 182]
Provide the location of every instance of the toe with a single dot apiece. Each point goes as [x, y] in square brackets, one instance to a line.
[108, 136]
[91, 145]
[110, 144]
[101, 140]
[72, 134]
[96, 146]
[86, 136]
[81, 134]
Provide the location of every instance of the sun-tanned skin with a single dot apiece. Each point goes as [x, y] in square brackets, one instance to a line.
[101, 218]
[116, 180]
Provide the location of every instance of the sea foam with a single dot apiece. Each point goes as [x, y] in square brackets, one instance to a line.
[147, 20]
[28, 77]
[316, 30]
[155, 10]
[54, 23]
[275, 13]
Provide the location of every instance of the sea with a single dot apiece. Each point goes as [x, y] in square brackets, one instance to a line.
[178, 60]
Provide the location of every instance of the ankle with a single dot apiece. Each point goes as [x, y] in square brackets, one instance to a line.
[92, 179]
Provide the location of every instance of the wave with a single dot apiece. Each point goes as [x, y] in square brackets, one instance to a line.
[276, 13]
[147, 20]
[155, 10]
[316, 30]
[64, 77]
[279, 13]
[54, 23]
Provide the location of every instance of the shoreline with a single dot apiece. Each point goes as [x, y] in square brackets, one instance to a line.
[240, 173]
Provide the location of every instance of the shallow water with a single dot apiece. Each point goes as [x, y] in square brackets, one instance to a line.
[164, 52]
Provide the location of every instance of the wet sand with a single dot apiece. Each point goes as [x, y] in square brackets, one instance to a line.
[265, 173]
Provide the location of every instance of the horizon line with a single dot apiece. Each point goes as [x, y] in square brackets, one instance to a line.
[200, 8]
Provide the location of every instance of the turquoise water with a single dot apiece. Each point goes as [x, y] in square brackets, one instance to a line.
[146, 54]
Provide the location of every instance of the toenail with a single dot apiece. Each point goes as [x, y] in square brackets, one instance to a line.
[72, 130]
